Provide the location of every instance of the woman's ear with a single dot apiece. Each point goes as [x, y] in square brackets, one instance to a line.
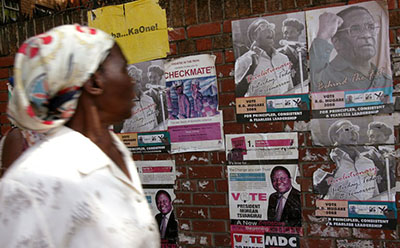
[94, 85]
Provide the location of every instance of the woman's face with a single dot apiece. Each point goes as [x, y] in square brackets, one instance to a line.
[376, 136]
[154, 78]
[290, 33]
[117, 99]
[347, 135]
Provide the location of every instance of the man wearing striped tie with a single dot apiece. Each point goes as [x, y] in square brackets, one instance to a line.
[284, 205]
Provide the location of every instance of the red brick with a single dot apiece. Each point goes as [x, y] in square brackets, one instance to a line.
[186, 185]
[313, 243]
[182, 199]
[226, 100]
[365, 233]
[345, 243]
[288, 4]
[229, 56]
[209, 198]
[394, 18]
[3, 107]
[192, 212]
[222, 41]
[4, 128]
[181, 172]
[230, 9]
[137, 157]
[191, 158]
[184, 225]
[391, 4]
[229, 114]
[327, 231]
[227, 85]
[226, 70]
[273, 5]
[190, 12]
[205, 172]
[3, 84]
[391, 244]
[3, 96]
[244, 7]
[202, 11]
[222, 240]
[263, 127]
[204, 29]
[6, 61]
[217, 157]
[203, 44]
[233, 128]
[219, 58]
[186, 46]
[172, 49]
[176, 34]
[306, 184]
[4, 73]
[314, 154]
[227, 26]
[302, 3]
[258, 6]
[209, 226]
[4, 119]
[219, 213]
[216, 10]
[176, 16]
[222, 185]
[206, 185]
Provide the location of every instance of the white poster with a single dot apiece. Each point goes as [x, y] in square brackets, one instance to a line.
[156, 172]
[261, 147]
[195, 123]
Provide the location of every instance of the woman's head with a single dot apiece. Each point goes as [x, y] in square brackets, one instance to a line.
[343, 132]
[378, 132]
[49, 72]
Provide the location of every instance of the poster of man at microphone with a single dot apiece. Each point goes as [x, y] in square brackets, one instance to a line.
[150, 111]
[271, 61]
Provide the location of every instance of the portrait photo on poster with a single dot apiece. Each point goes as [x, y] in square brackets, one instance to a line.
[349, 47]
[150, 110]
[192, 98]
[160, 201]
[267, 194]
[271, 55]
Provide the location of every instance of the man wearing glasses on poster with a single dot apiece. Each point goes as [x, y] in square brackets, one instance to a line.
[353, 33]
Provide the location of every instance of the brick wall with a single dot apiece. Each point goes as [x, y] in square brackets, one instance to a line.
[204, 26]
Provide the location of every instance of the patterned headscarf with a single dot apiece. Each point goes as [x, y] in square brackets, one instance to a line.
[50, 70]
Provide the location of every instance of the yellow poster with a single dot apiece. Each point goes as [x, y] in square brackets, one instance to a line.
[140, 28]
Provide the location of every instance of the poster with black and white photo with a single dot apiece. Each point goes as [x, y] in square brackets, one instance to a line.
[350, 60]
[146, 130]
[262, 148]
[195, 123]
[266, 199]
[369, 130]
[160, 201]
[271, 75]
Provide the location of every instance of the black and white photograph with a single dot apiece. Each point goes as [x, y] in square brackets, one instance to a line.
[367, 130]
[150, 111]
[271, 55]
[349, 47]
[364, 171]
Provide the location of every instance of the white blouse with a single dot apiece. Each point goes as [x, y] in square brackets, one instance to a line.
[65, 192]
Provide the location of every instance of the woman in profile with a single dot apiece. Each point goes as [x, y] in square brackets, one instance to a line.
[78, 187]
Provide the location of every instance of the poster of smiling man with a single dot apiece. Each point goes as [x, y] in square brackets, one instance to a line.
[271, 67]
[350, 60]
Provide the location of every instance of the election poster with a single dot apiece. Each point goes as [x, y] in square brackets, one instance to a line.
[264, 205]
[350, 60]
[369, 130]
[360, 191]
[195, 123]
[139, 28]
[261, 148]
[156, 172]
[160, 201]
[271, 69]
[146, 130]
